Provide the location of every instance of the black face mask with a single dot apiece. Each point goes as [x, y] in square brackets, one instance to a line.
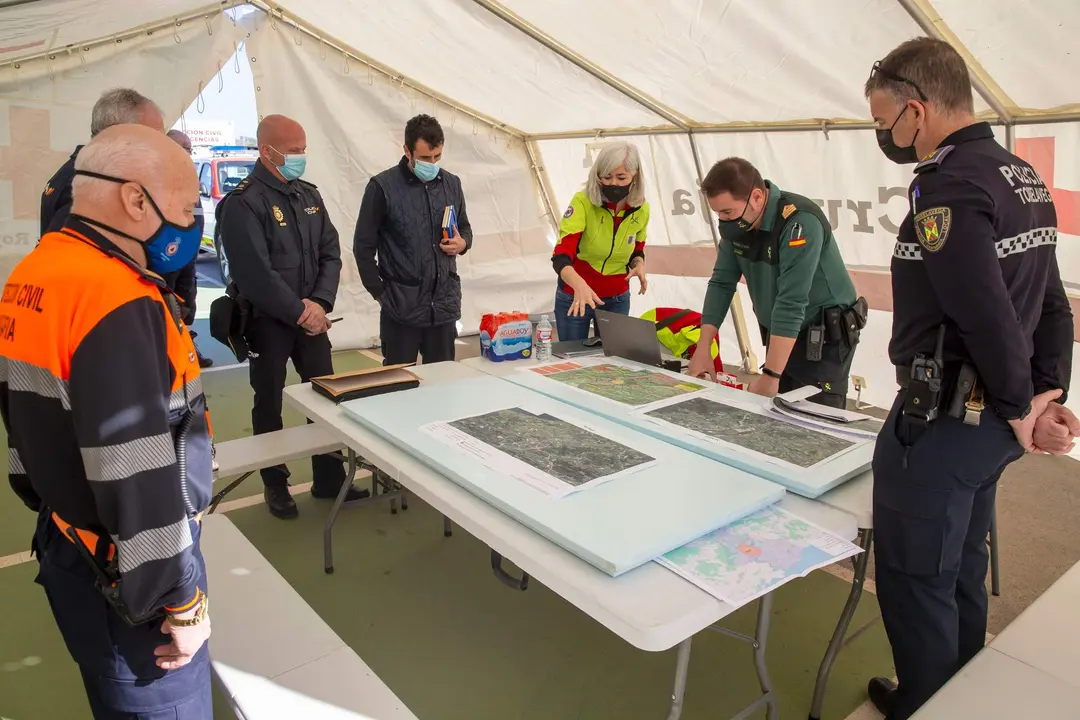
[615, 193]
[899, 155]
[740, 225]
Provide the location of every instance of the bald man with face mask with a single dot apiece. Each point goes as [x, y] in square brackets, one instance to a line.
[285, 259]
[102, 400]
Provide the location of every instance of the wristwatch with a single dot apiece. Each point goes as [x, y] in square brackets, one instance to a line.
[771, 373]
[197, 618]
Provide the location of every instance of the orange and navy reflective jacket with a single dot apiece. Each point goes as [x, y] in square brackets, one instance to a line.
[600, 243]
[104, 409]
[679, 330]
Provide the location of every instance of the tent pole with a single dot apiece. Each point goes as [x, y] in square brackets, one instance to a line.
[749, 360]
[506, 15]
[936, 28]
[1010, 137]
[543, 184]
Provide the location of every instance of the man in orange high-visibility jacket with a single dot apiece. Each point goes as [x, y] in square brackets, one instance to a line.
[679, 330]
[102, 401]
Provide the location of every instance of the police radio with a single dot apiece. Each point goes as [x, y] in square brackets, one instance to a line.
[924, 391]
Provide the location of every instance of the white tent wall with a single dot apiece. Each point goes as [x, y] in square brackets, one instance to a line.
[470, 55]
[45, 107]
[355, 123]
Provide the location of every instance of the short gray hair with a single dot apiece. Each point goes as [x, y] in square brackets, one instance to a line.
[118, 106]
[924, 69]
[613, 156]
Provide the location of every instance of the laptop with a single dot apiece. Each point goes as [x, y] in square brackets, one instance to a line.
[568, 349]
[632, 338]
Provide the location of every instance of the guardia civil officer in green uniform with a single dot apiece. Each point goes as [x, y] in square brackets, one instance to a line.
[803, 296]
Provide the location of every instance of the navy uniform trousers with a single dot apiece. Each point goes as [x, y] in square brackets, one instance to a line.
[116, 660]
[934, 493]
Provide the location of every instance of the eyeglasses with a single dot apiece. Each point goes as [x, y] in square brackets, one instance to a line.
[896, 78]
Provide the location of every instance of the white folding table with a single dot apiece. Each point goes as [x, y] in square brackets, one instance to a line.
[649, 607]
[854, 497]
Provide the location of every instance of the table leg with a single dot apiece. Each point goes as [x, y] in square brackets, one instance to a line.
[447, 528]
[995, 580]
[232, 486]
[328, 529]
[761, 636]
[682, 668]
[866, 540]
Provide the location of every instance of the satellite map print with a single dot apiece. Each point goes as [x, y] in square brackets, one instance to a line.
[552, 445]
[791, 443]
[621, 384]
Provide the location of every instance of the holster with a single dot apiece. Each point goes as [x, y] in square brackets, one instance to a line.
[854, 320]
[960, 396]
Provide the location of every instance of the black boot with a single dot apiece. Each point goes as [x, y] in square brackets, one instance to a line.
[881, 691]
[279, 501]
[354, 493]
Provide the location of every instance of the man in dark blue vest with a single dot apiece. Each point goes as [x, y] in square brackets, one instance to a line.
[406, 260]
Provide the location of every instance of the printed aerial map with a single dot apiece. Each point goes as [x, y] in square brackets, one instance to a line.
[621, 384]
[552, 445]
[755, 555]
[769, 436]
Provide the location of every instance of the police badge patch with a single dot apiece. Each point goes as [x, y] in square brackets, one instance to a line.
[932, 227]
[279, 216]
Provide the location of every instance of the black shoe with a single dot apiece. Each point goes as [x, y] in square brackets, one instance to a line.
[204, 362]
[280, 502]
[881, 691]
[354, 493]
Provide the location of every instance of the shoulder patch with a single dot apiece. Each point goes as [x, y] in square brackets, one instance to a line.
[569, 212]
[931, 161]
[240, 186]
[788, 211]
[932, 227]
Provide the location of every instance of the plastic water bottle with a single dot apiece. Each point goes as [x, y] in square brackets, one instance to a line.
[543, 340]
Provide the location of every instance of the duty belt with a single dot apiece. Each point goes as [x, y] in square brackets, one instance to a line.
[962, 393]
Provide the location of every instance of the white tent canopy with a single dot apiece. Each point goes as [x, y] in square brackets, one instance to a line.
[526, 90]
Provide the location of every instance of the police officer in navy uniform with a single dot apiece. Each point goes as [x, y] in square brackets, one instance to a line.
[285, 259]
[982, 341]
[114, 107]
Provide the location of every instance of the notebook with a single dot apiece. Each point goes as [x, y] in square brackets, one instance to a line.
[365, 383]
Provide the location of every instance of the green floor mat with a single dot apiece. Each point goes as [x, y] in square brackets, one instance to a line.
[427, 615]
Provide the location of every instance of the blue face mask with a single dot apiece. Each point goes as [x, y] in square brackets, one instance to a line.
[170, 248]
[295, 164]
[425, 171]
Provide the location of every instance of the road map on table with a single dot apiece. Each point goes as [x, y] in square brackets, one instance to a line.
[762, 433]
[622, 384]
[546, 452]
[752, 557]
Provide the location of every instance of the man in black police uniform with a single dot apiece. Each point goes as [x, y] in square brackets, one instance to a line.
[115, 107]
[975, 266]
[406, 260]
[285, 260]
